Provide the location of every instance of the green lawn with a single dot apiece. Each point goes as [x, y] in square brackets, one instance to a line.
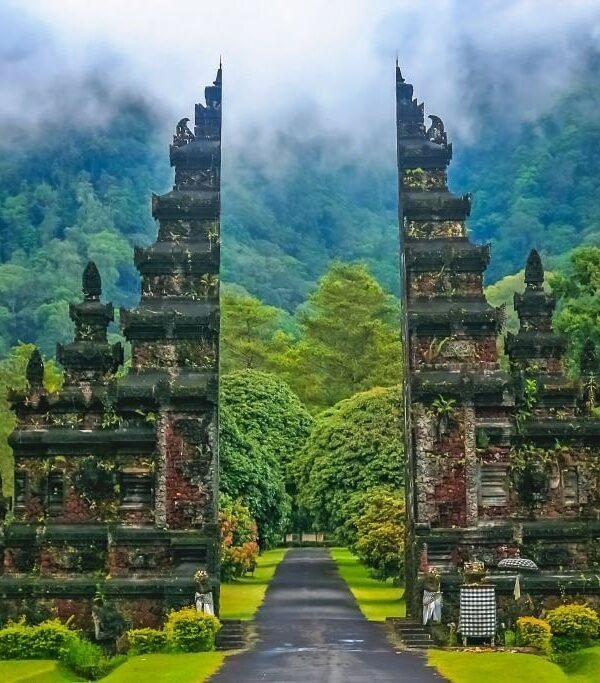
[587, 666]
[241, 599]
[34, 671]
[474, 667]
[376, 599]
[190, 668]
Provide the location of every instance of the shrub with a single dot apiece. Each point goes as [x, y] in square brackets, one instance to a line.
[239, 547]
[144, 641]
[573, 626]
[44, 641]
[88, 660]
[380, 532]
[192, 631]
[533, 632]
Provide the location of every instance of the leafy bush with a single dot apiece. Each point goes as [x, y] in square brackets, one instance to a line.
[354, 447]
[239, 548]
[192, 631]
[144, 641]
[44, 641]
[573, 626]
[532, 632]
[88, 660]
[380, 532]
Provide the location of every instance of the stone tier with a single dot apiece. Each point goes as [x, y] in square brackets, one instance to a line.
[194, 391]
[491, 387]
[56, 441]
[446, 318]
[183, 321]
[186, 205]
[583, 431]
[532, 344]
[167, 258]
[454, 255]
[198, 154]
[419, 152]
[92, 357]
[435, 206]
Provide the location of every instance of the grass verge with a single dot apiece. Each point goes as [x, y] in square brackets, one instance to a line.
[174, 668]
[474, 667]
[34, 671]
[182, 668]
[376, 599]
[241, 599]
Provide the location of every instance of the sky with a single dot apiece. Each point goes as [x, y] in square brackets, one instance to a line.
[302, 66]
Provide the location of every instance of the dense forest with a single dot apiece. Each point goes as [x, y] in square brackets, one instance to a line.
[79, 192]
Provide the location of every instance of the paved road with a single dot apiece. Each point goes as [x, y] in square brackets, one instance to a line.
[310, 630]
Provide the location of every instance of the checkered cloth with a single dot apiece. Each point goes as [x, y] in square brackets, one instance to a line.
[477, 611]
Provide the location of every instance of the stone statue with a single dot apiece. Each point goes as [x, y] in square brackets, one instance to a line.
[435, 132]
[183, 134]
[203, 598]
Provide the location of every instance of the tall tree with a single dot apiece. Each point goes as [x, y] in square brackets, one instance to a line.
[249, 336]
[349, 340]
[354, 447]
[578, 289]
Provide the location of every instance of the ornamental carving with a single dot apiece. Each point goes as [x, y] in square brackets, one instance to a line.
[430, 230]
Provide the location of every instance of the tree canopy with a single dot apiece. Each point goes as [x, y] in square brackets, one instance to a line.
[354, 447]
[267, 412]
[349, 338]
[578, 289]
[249, 473]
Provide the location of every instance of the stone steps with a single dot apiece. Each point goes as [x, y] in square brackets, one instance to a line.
[232, 636]
[411, 633]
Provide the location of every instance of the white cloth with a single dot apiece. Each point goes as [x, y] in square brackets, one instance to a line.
[432, 606]
[517, 588]
[204, 603]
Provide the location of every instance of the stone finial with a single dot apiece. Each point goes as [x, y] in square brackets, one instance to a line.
[588, 361]
[91, 282]
[534, 271]
[399, 76]
[34, 371]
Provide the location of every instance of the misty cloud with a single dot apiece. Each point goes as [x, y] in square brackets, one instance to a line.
[298, 67]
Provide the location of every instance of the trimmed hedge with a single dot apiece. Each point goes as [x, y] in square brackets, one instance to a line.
[192, 631]
[47, 640]
[145, 641]
[532, 632]
[573, 627]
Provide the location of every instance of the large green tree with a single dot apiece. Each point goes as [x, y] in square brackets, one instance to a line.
[251, 337]
[380, 532]
[354, 447]
[252, 473]
[578, 289]
[268, 413]
[349, 338]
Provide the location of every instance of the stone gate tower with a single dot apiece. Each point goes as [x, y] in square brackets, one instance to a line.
[500, 463]
[116, 475]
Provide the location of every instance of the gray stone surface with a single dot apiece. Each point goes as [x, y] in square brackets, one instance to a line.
[310, 630]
